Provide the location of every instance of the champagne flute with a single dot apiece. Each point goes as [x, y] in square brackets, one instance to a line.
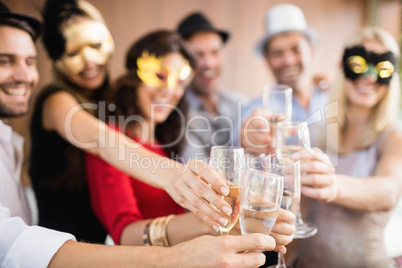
[228, 162]
[287, 166]
[293, 136]
[277, 102]
[260, 201]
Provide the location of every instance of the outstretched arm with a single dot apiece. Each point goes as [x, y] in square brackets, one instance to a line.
[62, 113]
[205, 252]
[379, 192]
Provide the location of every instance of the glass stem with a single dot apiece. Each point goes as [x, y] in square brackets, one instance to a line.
[281, 261]
[223, 232]
[299, 220]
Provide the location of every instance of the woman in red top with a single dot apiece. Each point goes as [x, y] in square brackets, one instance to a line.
[151, 111]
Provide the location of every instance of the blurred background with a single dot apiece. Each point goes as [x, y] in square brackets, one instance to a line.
[244, 70]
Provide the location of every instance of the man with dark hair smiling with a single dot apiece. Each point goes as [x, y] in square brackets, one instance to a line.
[24, 246]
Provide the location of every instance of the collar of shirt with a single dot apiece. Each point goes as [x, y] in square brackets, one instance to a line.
[317, 101]
[6, 132]
[194, 103]
[12, 143]
[11, 157]
[227, 104]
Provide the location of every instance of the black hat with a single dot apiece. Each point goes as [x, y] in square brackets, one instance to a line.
[197, 22]
[32, 21]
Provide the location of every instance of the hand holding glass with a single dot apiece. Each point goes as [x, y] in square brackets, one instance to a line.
[228, 162]
[293, 136]
[287, 166]
[277, 102]
[260, 201]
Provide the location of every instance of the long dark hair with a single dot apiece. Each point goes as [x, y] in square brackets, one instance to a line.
[69, 170]
[157, 43]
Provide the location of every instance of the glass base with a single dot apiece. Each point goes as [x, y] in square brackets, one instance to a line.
[304, 230]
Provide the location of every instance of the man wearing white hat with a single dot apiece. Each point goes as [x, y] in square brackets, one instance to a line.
[288, 49]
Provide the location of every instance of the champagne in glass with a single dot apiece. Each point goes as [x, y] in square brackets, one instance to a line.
[233, 199]
[287, 166]
[293, 136]
[260, 201]
[228, 161]
[290, 201]
[277, 102]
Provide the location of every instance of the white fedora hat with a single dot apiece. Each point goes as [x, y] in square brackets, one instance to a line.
[284, 18]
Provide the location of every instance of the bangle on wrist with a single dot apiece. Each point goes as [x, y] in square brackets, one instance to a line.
[145, 235]
[155, 232]
[152, 237]
[165, 236]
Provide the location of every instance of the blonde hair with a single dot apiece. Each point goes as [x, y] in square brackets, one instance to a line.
[384, 113]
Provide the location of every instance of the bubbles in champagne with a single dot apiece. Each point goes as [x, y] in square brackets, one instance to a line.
[257, 219]
[233, 199]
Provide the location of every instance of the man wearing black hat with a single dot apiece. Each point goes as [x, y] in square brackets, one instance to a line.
[24, 246]
[212, 111]
[18, 77]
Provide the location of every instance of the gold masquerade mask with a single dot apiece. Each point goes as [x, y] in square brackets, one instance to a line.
[358, 62]
[156, 72]
[88, 41]
[358, 65]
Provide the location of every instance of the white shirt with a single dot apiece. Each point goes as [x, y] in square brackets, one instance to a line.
[20, 245]
[24, 246]
[11, 156]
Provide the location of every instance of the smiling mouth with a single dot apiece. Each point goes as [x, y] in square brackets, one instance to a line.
[289, 72]
[91, 73]
[160, 102]
[366, 90]
[14, 90]
[209, 74]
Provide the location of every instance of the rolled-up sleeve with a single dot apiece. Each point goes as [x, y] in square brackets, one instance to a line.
[27, 246]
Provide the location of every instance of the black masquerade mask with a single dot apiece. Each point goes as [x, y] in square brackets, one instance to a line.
[357, 62]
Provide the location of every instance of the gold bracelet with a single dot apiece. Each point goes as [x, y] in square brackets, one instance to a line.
[145, 235]
[155, 232]
[151, 234]
[159, 232]
[165, 224]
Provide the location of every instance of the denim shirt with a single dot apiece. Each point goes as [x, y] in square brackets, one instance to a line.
[204, 130]
[314, 114]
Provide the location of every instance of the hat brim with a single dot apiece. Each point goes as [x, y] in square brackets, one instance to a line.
[311, 35]
[223, 34]
[31, 20]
